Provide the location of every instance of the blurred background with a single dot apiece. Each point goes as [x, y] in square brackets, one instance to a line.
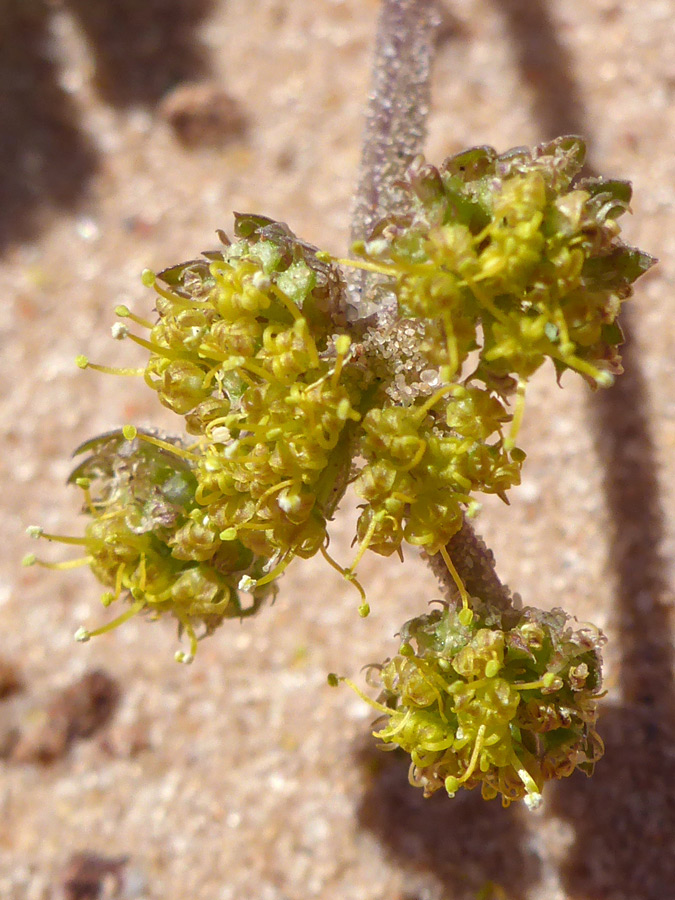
[130, 132]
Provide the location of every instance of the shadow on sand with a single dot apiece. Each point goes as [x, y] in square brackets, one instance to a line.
[140, 49]
[624, 817]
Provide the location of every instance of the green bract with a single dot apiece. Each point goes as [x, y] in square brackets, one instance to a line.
[507, 702]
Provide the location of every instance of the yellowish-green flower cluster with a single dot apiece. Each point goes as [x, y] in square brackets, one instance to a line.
[514, 260]
[508, 263]
[506, 702]
[247, 349]
[250, 348]
[149, 540]
[497, 264]
[425, 462]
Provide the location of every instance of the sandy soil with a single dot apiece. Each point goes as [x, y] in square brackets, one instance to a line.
[245, 776]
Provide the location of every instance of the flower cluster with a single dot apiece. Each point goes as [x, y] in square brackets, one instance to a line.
[149, 538]
[250, 348]
[504, 261]
[424, 462]
[146, 538]
[247, 348]
[510, 244]
[498, 263]
[507, 701]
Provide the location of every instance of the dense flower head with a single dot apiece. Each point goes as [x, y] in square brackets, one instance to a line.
[424, 463]
[505, 262]
[506, 702]
[262, 309]
[514, 258]
[250, 348]
[272, 479]
[149, 541]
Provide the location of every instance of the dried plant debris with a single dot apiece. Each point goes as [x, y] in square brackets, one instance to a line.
[10, 678]
[9, 737]
[77, 712]
[203, 115]
[88, 876]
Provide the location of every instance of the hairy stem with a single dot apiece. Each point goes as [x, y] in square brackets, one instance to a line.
[398, 107]
[475, 563]
[396, 120]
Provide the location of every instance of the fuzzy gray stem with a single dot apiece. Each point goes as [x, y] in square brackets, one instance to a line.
[396, 120]
[475, 563]
[398, 107]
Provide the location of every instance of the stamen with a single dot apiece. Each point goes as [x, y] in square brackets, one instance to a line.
[451, 344]
[600, 376]
[120, 620]
[85, 485]
[130, 432]
[417, 458]
[477, 747]
[220, 422]
[348, 575]
[561, 324]
[533, 797]
[487, 302]
[546, 682]
[212, 373]
[83, 363]
[391, 732]
[156, 349]
[278, 570]
[142, 574]
[364, 544]
[422, 666]
[118, 579]
[379, 269]
[334, 680]
[35, 531]
[218, 266]
[125, 313]
[421, 411]
[180, 655]
[32, 560]
[518, 413]
[302, 329]
[273, 490]
[465, 615]
[149, 279]
[255, 369]
[287, 302]
[342, 345]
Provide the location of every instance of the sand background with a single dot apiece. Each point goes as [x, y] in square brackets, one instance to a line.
[244, 775]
